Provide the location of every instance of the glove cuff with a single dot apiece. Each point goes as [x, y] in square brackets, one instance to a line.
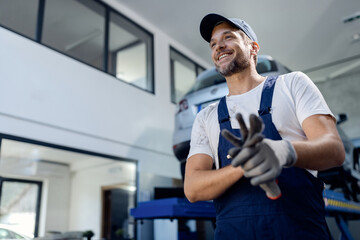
[291, 156]
[284, 151]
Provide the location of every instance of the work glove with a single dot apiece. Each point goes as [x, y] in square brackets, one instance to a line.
[264, 161]
[249, 137]
[257, 155]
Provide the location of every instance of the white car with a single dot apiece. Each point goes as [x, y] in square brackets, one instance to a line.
[8, 232]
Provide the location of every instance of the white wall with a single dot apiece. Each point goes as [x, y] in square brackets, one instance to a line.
[49, 97]
[57, 204]
[41, 85]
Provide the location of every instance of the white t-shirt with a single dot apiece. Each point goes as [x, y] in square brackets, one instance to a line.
[295, 98]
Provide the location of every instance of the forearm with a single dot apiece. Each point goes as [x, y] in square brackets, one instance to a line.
[320, 154]
[202, 185]
[324, 148]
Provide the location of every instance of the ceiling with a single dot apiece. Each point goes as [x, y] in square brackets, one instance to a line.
[304, 35]
[28, 159]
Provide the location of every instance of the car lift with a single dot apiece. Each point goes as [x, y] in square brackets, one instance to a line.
[180, 208]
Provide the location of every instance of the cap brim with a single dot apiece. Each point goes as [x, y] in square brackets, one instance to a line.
[208, 23]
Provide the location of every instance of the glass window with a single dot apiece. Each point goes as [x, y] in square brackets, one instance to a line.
[18, 204]
[266, 65]
[76, 28]
[4, 234]
[207, 80]
[130, 53]
[26, 22]
[183, 74]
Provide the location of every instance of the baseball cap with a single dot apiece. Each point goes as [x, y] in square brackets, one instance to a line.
[211, 20]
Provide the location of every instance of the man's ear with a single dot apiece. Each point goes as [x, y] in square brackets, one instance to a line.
[255, 48]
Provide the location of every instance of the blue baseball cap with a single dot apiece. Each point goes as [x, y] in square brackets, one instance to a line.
[211, 20]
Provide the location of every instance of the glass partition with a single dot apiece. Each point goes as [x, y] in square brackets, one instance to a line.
[183, 74]
[20, 16]
[19, 206]
[76, 28]
[130, 53]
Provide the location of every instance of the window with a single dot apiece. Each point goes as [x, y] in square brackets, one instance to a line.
[20, 16]
[183, 74]
[76, 28]
[130, 53]
[5, 234]
[19, 206]
[88, 31]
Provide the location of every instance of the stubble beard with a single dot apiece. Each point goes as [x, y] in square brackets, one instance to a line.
[237, 65]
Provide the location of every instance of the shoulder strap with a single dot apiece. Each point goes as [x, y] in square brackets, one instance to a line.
[223, 113]
[267, 95]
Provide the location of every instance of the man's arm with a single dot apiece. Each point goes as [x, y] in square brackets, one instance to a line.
[324, 148]
[202, 183]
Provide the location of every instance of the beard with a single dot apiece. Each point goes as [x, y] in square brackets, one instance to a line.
[238, 64]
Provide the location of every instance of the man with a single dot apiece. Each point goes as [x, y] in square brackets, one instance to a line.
[300, 138]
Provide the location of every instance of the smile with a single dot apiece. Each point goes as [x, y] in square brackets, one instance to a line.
[223, 55]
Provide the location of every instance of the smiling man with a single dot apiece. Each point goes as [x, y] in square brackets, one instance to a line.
[300, 137]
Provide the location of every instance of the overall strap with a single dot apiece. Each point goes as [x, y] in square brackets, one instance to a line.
[224, 123]
[264, 111]
[223, 115]
[267, 95]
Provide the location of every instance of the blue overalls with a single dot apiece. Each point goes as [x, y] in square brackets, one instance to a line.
[244, 211]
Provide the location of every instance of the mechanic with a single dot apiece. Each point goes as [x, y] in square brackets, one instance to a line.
[300, 138]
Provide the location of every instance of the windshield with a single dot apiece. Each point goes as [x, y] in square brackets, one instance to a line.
[207, 81]
[266, 65]
[212, 77]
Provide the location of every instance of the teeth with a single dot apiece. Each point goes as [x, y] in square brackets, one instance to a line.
[222, 56]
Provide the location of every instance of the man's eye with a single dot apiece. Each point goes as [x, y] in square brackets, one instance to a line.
[228, 37]
[212, 45]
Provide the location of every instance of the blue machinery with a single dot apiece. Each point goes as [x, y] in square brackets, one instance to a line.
[179, 208]
[174, 208]
[342, 209]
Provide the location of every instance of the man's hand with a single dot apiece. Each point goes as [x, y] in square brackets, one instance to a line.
[261, 159]
[246, 151]
[268, 161]
[249, 137]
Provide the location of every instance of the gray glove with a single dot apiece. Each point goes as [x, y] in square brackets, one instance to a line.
[249, 147]
[249, 137]
[271, 156]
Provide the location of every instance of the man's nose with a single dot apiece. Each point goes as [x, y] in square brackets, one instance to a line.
[220, 45]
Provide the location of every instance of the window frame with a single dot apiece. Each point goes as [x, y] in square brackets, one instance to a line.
[150, 58]
[172, 70]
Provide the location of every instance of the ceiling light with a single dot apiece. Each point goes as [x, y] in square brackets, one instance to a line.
[352, 17]
[355, 37]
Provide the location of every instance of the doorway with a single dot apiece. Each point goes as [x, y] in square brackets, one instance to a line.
[117, 201]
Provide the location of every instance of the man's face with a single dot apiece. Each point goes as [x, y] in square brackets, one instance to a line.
[230, 50]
